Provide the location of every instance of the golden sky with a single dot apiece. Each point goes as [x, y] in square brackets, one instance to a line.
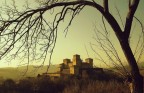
[82, 30]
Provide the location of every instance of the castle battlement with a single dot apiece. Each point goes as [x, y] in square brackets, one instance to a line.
[75, 65]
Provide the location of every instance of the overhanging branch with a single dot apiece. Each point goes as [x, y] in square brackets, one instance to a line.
[105, 4]
[132, 9]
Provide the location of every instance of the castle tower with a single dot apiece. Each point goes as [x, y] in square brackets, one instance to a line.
[76, 60]
[74, 70]
[66, 61]
[90, 61]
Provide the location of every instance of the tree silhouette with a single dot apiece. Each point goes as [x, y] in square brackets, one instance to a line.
[36, 36]
[9, 85]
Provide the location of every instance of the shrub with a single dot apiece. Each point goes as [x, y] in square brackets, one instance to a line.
[45, 85]
[25, 85]
[8, 84]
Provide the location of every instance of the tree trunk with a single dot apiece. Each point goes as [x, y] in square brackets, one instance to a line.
[137, 79]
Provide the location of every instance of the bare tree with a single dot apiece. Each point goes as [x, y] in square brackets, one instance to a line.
[37, 36]
[106, 51]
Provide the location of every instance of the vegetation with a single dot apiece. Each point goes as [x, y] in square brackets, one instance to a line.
[36, 36]
[97, 87]
[75, 86]
[43, 84]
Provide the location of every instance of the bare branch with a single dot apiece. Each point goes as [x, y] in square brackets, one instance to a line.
[140, 43]
[105, 4]
[35, 36]
[119, 16]
[132, 8]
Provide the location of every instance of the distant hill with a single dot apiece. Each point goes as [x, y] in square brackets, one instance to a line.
[17, 73]
[21, 72]
[141, 67]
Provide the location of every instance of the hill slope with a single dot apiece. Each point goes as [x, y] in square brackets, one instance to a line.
[20, 72]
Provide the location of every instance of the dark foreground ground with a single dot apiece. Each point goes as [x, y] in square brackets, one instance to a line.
[101, 84]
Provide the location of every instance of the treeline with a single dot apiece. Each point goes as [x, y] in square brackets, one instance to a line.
[32, 85]
[103, 83]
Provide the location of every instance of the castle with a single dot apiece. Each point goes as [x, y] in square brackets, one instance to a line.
[73, 67]
[76, 67]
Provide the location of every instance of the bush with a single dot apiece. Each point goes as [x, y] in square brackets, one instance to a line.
[25, 85]
[45, 85]
[8, 84]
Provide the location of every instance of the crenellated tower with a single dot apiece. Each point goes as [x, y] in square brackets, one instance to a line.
[77, 60]
[90, 61]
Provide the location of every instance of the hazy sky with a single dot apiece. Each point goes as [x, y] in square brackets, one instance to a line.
[82, 30]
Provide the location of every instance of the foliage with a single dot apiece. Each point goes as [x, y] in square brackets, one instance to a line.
[8, 84]
[33, 36]
[44, 84]
[25, 85]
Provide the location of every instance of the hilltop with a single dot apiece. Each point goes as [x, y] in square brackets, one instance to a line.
[18, 72]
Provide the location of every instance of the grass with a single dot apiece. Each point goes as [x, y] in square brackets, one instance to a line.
[97, 87]
[61, 86]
